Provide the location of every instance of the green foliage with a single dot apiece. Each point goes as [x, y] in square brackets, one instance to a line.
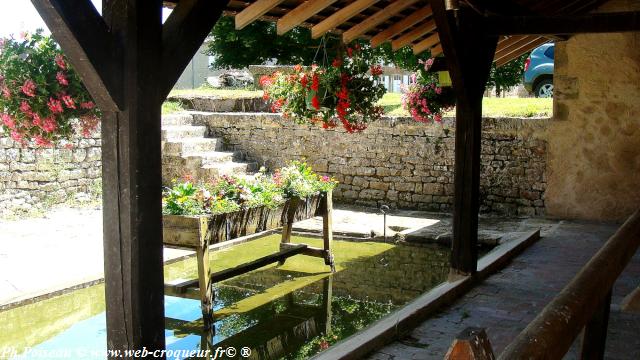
[169, 107]
[41, 97]
[228, 194]
[508, 75]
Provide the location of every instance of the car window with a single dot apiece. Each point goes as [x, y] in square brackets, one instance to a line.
[550, 52]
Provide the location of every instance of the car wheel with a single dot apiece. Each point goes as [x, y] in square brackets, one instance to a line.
[544, 89]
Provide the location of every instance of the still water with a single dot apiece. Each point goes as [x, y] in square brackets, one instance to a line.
[278, 312]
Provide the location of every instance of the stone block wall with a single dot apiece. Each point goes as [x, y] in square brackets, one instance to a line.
[594, 138]
[32, 177]
[397, 161]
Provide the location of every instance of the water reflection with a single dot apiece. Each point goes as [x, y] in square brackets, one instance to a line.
[288, 312]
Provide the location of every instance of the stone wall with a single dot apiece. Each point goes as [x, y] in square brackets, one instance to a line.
[594, 138]
[32, 178]
[398, 161]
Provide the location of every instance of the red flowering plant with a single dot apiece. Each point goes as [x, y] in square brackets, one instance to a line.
[345, 92]
[41, 98]
[424, 98]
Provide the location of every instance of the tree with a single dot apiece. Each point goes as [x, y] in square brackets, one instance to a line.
[259, 43]
[508, 75]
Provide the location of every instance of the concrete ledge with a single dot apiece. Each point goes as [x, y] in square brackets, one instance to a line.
[408, 317]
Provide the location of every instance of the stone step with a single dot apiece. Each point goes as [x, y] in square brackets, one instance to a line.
[177, 120]
[228, 168]
[178, 147]
[213, 157]
[174, 133]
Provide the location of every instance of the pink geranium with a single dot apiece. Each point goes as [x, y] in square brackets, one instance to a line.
[62, 79]
[29, 88]
[59, 59]
[55, 106]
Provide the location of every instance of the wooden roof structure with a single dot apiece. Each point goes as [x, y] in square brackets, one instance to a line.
[129, 61]
[400, 22]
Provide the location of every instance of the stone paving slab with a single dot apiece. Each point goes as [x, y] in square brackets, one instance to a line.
[507, 301]
[61, 250]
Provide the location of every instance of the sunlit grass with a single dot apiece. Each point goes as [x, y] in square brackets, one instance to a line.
[169, 107]
[493, 107]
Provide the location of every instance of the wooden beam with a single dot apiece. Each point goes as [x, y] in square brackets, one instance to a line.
[183, 33]
[92, 50]
[300, 14]
[506, 59]
[401, 26]
[252, 12]
[408, 38]
[514, 47]
[564, 24]
[372, 21]
[131, 173]
[436, 50]
[340, 17]
[469, 51]
[426, 44]
[508, 42]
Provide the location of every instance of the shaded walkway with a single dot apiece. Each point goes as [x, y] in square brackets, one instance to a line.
[506, 302]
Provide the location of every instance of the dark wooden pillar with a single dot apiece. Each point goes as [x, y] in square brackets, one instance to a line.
[131, 173]
[129, 62]
[469, 52]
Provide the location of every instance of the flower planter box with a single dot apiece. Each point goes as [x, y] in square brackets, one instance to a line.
[192, 232]
[199, 232]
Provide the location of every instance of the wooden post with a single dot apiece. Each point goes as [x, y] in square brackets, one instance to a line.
[327, 290]
[469, 52]
[595, 332]
[327, 228]
[288, 219]
[470, 344]
[204, 275]
[128, 62]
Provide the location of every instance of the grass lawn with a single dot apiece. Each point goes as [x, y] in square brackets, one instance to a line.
[516, 107]
[169, 107]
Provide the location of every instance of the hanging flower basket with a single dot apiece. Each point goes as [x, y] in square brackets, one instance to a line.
[426, 97]
[41, 98]
[345, 92]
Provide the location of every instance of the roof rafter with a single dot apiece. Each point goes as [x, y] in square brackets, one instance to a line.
[413, 35]
[426, 43]
[401, 26]
[504, 60]
[340, 17]
[375, 19]
[254, 11]
[301, 13]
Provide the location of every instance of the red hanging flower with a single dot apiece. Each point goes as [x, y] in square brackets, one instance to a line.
[304, 80]
[376, 70]
[315, 82]
[337, 62]
[315, 102]
[297, 68]
[40, 141]
[349, 52]
[29, 88]
[265, 80]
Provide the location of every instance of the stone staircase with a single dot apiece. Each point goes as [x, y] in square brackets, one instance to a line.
[186, 150]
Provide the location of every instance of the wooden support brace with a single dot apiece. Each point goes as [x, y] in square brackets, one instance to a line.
[326, 207]
[470, 344]
[595, 332]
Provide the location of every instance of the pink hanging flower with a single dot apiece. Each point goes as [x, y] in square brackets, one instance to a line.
[6, 92]
[59, 59]
[25, 108]
[68, 102]
[55, 106]
[16, 136]
[8, 121]
[87, 105]
[62, 79]
[40, 141]
[49, 124]
[29, 88]
[88, 125]
[36, 120]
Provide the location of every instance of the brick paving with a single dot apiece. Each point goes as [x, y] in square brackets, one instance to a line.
[507, 301]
